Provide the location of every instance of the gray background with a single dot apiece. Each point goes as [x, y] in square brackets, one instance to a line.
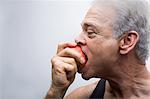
[29, 34]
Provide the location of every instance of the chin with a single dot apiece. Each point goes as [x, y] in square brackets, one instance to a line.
[86, 77]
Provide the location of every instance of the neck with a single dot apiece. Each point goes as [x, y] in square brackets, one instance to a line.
[130, 79]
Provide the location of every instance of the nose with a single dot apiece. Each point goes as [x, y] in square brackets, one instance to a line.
[80, 40]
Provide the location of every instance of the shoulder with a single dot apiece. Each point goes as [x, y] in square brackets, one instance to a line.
[83, 92]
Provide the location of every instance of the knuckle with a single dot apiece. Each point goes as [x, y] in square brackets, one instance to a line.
[81, 58]
[56, 63]
[78, 58]
[72, 60]
[57, 67]
[73, 68]
[53, 59]
[80, 55]
[58, 70]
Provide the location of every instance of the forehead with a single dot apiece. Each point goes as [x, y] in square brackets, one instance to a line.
[99, 16]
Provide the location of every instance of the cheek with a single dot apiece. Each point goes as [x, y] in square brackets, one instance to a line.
[103, 50]
[94, 52]
[96, 46]
[112, 47]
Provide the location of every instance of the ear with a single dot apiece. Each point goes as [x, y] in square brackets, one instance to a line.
[128, 42]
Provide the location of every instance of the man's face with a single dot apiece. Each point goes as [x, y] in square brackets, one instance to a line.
[97, 42]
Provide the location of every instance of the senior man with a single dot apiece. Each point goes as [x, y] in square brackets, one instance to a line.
[114, 40]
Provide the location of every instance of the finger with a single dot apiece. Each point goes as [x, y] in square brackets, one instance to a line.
[71, 70]
[68, 52]
[63, 63]
[62, 68]
[63, 45]
[68, 60]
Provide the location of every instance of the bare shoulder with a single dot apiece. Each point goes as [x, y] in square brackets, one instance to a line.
[83, 92]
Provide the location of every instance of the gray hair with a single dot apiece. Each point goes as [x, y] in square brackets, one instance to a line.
[132, 15]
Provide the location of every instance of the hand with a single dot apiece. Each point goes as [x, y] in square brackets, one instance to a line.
[64, 67]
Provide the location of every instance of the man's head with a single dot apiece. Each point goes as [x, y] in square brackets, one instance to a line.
[113, 30]
[131, 15]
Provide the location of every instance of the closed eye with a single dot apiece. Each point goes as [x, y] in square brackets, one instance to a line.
[91, 33]
[89, 29]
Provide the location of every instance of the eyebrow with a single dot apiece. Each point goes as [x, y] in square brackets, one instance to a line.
[93, 25]
[86, 24]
